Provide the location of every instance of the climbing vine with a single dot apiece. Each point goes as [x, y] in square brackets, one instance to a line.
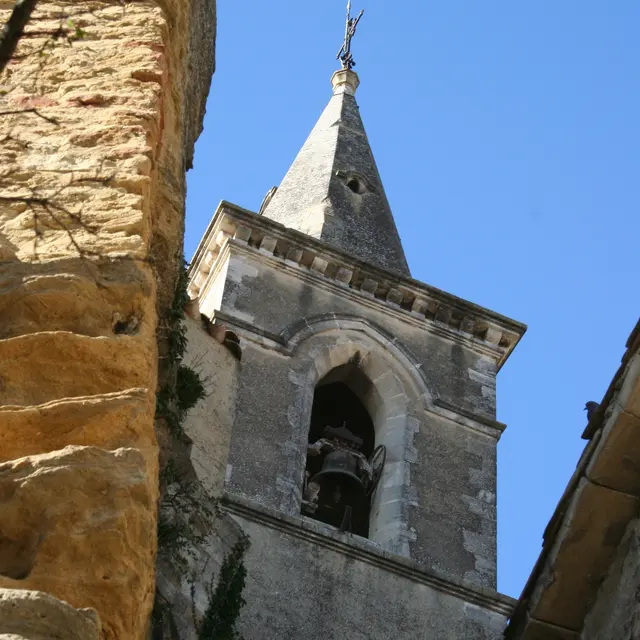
[225, 599]
[184, 507]
[185, 388]
[183, 515]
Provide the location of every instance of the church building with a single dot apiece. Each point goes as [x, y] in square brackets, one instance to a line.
[359, 451]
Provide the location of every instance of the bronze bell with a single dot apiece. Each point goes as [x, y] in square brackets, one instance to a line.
[341, 464]
[340, 487]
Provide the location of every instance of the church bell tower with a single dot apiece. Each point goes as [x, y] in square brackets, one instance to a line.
[361, 456]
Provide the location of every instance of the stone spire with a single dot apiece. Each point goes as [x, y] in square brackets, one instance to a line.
[333, 190]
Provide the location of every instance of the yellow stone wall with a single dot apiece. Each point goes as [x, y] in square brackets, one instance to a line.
[99, 110]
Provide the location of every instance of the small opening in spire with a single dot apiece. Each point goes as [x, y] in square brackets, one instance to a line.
[357, 186]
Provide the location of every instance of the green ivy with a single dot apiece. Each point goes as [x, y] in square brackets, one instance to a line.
[181, 508]
[183, 516]
[177, 397]
[189, 388]
[225, 599]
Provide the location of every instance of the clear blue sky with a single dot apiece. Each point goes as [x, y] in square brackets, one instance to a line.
[507, 135]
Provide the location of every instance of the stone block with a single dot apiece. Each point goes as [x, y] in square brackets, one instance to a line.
[432, 308]
[268, 245]
[344, 275]
[200, 279]
[242, 234]
[395, 296]
[467, 325]
[294, 255]
[319, 265]
[581, 555]
[616, 462]
[493, 335]
[221, 238]
[67, 366]
[33, 615]
[537, 630]
[369, 286]
[108, 513]
[443, 314]
[110, 421]
[629, 394]
[419, 307]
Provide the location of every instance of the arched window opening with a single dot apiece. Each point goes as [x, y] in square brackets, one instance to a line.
[343, 465]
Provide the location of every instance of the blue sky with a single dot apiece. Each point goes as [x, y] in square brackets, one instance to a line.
[507, 136]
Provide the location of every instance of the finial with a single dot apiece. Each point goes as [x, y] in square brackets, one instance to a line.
[344, 55]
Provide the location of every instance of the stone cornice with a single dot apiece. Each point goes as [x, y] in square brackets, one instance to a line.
[409, 297]
[365, 551]
[437, 328]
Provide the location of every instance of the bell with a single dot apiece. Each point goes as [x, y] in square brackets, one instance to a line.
[340, 488]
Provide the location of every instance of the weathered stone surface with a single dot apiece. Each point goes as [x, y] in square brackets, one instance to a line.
[579, 559]
[300, 585]
[210, 422]
[51, 365]
[33, 615]
[80, 523]
[92, 188]
[101, 298]
[109, 421]
[333, 190]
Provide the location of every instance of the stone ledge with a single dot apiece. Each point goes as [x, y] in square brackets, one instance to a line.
[365, 551]
[494, 424]
[392, 289]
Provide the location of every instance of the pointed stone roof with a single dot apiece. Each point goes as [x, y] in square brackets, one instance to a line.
[333, 190]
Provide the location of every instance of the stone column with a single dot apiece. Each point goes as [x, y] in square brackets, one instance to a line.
[99, 111]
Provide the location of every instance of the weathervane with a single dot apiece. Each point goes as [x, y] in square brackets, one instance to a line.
[344, 55]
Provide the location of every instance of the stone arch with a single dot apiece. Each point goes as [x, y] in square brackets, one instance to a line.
[398, 393]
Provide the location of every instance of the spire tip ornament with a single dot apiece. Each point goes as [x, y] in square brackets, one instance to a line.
[344, 55]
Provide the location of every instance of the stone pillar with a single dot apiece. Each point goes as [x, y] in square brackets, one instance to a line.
[102, 104]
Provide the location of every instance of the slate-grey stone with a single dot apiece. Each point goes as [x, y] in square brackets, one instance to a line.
[333, 190]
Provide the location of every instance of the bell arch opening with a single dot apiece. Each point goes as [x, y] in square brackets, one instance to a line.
[343, 464]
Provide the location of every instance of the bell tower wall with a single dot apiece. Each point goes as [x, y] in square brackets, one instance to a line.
[300, 314]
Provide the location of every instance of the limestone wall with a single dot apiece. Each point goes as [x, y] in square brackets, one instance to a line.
[302, 583]
[210, 422]
[99, 110]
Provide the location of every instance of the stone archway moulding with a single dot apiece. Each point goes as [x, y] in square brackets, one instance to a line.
[294, 335]
[398, 395]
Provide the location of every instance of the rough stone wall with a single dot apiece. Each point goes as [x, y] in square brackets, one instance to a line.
[210, 422]
[444, 470]
[615, 615]
[336, 595]
[92, 158]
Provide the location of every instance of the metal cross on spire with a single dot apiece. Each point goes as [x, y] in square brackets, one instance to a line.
[344, 55]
